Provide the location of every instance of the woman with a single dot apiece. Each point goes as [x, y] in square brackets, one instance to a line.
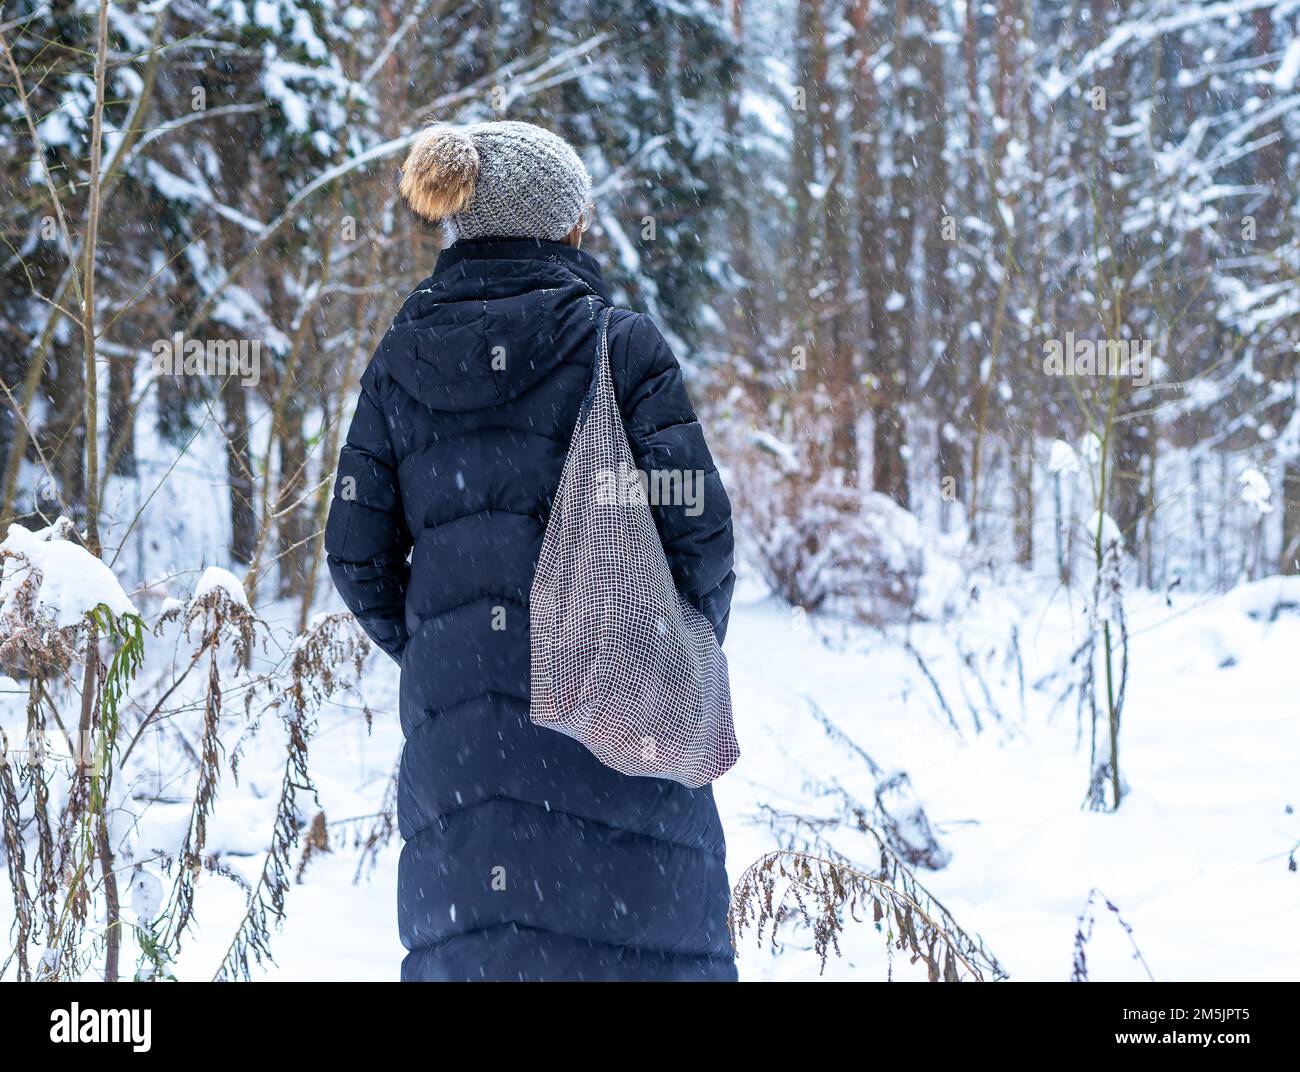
[524, 858]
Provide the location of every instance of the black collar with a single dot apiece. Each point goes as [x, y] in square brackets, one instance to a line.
[582, 264]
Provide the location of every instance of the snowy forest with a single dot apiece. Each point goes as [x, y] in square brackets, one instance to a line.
[991, 314]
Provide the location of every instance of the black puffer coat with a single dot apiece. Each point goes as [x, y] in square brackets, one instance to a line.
[524, 857]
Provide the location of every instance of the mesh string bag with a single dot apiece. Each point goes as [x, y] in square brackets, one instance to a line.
[621, 662]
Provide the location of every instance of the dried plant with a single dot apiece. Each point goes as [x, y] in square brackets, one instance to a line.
[15, 859]
[1083, 934]
[332, 642]
[222, 622]
[365, 834]
[381, 830]
[934, 685]
[896, 811]
[317, 841]
[820, 892]
[33, 645]
[817, 886]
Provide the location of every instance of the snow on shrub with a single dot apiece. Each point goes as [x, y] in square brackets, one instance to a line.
[68, 581]
[822, 545]
[215, 578]
[51, 592]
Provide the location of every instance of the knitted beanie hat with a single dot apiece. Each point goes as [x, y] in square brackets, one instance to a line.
[501, 179]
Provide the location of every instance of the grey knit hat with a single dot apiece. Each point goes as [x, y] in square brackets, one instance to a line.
[502, 179]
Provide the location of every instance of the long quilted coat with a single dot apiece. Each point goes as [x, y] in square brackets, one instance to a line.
[524, 858]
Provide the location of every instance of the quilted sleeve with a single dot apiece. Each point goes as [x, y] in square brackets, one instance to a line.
[366, 537]
[692, 513]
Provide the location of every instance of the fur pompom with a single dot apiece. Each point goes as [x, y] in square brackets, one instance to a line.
[439, 174]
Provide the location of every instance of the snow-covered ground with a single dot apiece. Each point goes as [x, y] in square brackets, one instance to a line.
[1195, 860]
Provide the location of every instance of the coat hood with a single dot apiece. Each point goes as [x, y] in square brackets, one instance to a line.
[496, 316]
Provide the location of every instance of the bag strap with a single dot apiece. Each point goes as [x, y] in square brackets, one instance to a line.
[599, 365]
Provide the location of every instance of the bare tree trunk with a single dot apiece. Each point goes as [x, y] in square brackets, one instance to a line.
[1270, 159]
[835, 358]
[62, 438]
[939, 235]
[744, 321]
[293, 526]
[871, 238]
[889, 433]
[104, 848]
[1131, 501]
[803, 165]
[121, 420]
[239, 470]
[967, 350]
[1129, 496]
[88, 326]
[1289, 561]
